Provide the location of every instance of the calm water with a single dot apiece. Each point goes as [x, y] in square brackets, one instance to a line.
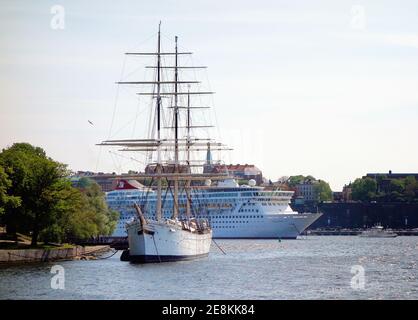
[310, 268]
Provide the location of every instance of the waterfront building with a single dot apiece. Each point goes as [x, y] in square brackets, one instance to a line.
[237, 171]
[306, 190]
[346, 193]
[383, 180]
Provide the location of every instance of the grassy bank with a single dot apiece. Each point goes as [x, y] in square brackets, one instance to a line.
[21, 241]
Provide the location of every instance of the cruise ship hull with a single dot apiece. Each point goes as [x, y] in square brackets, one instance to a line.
[283, 226]
[165, 242]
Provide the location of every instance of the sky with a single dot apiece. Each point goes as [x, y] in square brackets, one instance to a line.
[326, 88]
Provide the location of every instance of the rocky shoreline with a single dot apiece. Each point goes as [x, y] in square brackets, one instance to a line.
[54, 254]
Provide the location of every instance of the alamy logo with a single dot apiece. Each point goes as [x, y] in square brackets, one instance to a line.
[58, 280]
[358, 281]
[58, 20]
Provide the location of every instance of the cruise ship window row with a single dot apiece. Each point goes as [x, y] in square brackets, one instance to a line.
[230, 222]
[233, 217]
[274, 203]
[224, 227]
[248, 210]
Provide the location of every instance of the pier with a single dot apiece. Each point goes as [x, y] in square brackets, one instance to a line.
[355, 232]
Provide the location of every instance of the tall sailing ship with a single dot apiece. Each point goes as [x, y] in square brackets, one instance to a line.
[181, 235]
[231, 211]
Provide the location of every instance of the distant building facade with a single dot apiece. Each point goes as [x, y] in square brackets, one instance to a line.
[306, 191]
[346, 193]
[240, 171]
[337, 196]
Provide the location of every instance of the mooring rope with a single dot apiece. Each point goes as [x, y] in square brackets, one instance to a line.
[219, 247]
[156, 250]
[102, 258]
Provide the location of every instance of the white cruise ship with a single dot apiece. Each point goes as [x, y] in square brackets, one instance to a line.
[233, 211]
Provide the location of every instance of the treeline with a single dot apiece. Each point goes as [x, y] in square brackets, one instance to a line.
[36, 198]
[321, 187]
[384, 189]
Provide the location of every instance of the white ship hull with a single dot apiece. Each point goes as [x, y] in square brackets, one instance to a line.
[271, 227]
[165, 241]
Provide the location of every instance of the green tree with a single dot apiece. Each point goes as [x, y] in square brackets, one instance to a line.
[396, 190]
[294, 180]
[34, 178]
[105, 219]
[364, 189]
[6, 200]
[411, 189]
[83, 213]
[50, 208]
[68, 208]
[83, 182]
[323, 190]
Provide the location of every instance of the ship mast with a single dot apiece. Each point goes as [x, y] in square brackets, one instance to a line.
[188, 182]
[176, 143]
[158, 166]
[188, 125]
